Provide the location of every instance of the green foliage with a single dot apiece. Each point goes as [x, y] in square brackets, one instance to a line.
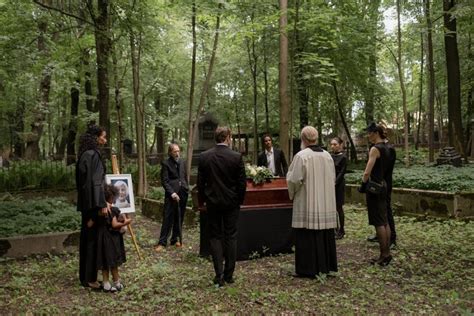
[36, 216]
[34, 175]
[441, 178]
[152, 172]
[156, 193]
[258, 174]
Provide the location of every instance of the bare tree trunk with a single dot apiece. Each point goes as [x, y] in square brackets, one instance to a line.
[372, 80]
[205, 86]
[265, 79]
[402, 87]
[139, 113]
[283, 80]
[343, 120]
[253, 69]
[301, 82]
[159, 132]
[431, 82]
[454, 78]
[72, 129]
[118, 107]
[420, 99]
[191, 135]
[32, 150]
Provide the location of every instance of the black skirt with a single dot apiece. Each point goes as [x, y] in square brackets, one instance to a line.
[377, 208]
[315, 252]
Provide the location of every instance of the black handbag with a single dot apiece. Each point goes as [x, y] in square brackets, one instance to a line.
[375, 187]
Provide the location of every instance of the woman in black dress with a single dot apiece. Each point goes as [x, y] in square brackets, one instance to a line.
[376, 202]
[110, 246]
[340, 162]
[90, 176]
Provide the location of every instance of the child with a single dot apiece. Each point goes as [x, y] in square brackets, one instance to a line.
[110, 246]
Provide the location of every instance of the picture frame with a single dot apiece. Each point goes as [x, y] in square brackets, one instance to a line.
[126, 199]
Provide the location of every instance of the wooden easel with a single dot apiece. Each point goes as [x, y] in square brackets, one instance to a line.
[115, 170]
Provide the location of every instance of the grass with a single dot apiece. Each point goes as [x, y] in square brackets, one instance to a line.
[432, 273]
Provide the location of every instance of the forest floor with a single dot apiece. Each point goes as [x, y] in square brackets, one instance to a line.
[432, 273]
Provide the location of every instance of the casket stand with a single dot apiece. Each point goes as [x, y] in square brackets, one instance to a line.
[264, 226]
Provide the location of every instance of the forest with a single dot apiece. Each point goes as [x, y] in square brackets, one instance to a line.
[147, 70]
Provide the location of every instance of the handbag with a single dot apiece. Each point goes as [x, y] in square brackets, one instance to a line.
[375, 187]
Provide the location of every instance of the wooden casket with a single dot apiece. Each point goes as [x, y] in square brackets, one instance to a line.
[264, 226]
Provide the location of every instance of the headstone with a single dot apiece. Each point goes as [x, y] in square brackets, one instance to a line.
[127, 146]
[449, 156]
[205, 139]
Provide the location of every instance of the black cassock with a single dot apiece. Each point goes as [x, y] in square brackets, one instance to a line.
[90, 175]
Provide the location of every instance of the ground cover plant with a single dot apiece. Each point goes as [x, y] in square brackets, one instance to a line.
[36, 216]
[432, 273]
[441, 178]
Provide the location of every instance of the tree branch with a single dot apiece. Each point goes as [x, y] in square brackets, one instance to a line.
[62, 12]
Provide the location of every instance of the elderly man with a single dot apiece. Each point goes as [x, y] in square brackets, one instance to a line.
[175, 183]
[311, 179]
[221, 184]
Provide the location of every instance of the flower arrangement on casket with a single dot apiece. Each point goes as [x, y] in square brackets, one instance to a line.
[258, 174]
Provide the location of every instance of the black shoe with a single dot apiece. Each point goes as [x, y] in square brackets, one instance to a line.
[372, 238]
[219, 280]
[229, 280]
[385, 261]
[340, 235]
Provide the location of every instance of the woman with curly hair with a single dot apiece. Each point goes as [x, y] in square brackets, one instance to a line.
[90, 180]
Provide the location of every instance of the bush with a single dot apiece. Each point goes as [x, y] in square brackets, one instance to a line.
[36, 216]
[440, 178]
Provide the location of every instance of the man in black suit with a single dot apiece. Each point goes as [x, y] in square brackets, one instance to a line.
[174, 181]
[272, 158]
[221, 185]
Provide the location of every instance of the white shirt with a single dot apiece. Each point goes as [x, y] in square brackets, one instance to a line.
[270, 160]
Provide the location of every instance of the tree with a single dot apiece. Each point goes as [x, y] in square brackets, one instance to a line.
[283, 80]
[431, 80]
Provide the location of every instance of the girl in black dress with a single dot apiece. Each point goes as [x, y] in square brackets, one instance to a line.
[340, 162]
[376, 202]
[110, 246]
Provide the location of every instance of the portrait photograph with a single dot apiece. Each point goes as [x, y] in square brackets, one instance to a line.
[125, 199]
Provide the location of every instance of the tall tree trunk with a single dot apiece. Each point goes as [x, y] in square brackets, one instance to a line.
[301, 83]
[253, 69]
[191, 136]
[431, 81]
[454, 78]
[205, 86]
[265, 80]
[102, 48]
[372, 58]
[18, 129]
[139, 114]
[343, 120]
[402, 86]
[159, 132]
[118, 107]
[420, 98]
[32, 150]
[72, 129]
[283, 80]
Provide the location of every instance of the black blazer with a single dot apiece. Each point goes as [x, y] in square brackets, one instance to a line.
[221, 177]
[90, 175]
[173, 176]
[281, 167]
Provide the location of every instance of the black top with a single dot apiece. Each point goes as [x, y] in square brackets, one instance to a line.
[340, 163]
[381, 164]
[221, 177]
[392, 157]
[281, 167]
[90, 175]
[173, 176]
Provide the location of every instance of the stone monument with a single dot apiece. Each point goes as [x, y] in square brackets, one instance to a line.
[449, 156]
[204, 140]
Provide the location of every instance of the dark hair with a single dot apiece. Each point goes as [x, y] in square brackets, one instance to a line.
[110, 192]
[377, 128]
[338, 140]
[265, 136]
[88, 140]
[221, 134]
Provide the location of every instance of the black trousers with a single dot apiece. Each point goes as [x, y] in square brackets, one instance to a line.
[391, 221]
[173, 215]
[88, 250]
[222, 226]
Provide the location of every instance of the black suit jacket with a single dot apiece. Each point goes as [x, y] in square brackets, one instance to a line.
[221, 177]
[281, 167]
[90, 175]
[173, 176]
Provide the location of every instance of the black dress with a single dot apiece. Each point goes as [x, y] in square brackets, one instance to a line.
[110, 245]
[340, 162]
[377, 203]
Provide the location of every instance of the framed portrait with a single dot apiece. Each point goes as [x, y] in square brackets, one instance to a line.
[125, 199]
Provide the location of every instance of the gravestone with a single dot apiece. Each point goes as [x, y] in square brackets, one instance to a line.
[207, 124]
[449, 156]
[128, 146]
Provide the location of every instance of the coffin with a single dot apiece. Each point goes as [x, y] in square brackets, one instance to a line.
[267, 195]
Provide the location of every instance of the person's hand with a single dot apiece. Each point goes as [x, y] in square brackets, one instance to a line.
[105, 210]
[175, 197]
[362, 188]
[127, 221]
[90, 223]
